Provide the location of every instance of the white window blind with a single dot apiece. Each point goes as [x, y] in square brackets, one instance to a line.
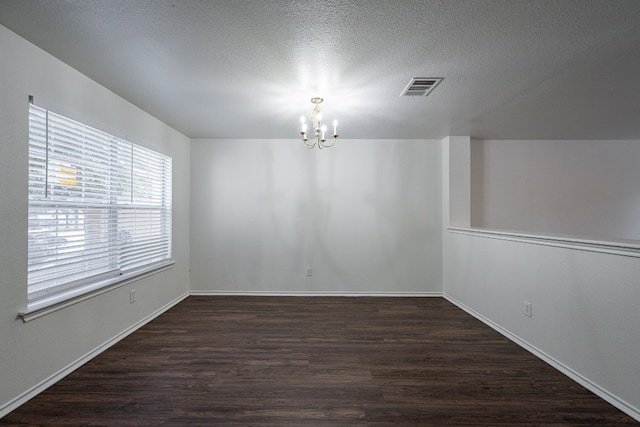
[99, 207]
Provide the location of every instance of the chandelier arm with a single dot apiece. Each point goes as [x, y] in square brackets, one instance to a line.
[335, 138]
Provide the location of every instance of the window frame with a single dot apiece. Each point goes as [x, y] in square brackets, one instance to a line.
[144, 212]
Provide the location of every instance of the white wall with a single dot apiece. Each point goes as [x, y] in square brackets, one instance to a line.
[581, 188]
[31, 353]
[585, 304]
[365, 214]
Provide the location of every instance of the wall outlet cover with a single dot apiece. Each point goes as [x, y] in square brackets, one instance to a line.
[527, 309]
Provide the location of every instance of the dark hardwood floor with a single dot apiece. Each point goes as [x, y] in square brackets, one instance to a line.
[294, 361]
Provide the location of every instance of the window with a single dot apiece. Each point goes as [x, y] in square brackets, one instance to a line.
[99, 208]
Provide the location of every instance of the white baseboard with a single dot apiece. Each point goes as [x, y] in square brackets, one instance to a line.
[42, 386]
[585, 382]
[316, 294]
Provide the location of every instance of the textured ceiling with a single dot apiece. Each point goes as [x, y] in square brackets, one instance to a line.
[248, 68]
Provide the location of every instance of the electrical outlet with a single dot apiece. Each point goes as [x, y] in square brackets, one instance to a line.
[132, 296]
[309, 271]
[527, 308]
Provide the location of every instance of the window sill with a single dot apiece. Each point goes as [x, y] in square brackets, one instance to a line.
[46, 306]
[622, 248]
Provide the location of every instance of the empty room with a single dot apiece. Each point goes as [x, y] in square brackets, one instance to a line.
[319, 212]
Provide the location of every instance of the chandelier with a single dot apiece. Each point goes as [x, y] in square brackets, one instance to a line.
[319, 130]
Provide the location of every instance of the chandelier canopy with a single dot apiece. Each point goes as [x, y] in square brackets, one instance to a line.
[318, 138]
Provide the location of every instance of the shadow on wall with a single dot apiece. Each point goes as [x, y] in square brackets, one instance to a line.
[361, 213]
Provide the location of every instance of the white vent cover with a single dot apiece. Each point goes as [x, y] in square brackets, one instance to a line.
[421, 86]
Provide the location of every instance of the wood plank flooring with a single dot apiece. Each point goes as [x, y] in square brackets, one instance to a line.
[296, 361]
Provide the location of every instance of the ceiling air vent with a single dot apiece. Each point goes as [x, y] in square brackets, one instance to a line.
[421, 86]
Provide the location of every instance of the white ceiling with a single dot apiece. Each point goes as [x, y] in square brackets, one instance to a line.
[248, 68]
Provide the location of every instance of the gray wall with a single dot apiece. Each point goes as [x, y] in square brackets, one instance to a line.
[31, 353]
[364, 214]
[585, 313]
[588, 189]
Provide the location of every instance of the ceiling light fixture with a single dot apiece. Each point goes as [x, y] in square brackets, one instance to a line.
[318, 128]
